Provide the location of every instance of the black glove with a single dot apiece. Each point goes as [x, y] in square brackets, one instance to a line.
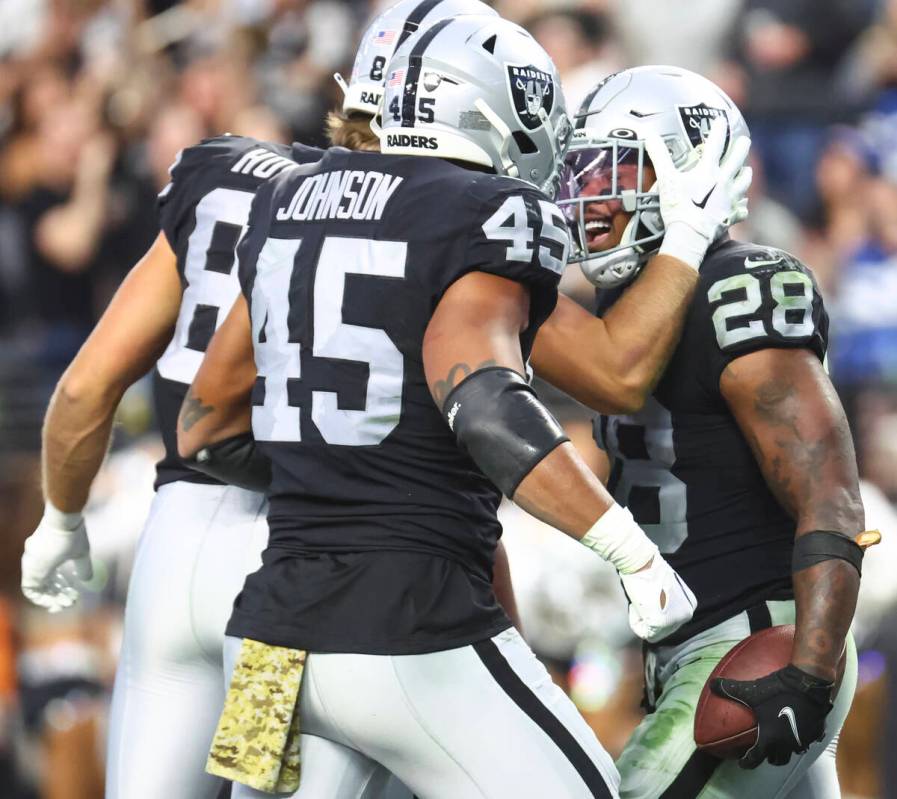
[790, 707]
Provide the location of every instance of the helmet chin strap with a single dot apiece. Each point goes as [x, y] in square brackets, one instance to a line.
[507, 165]
[341, 82]
[613, 269]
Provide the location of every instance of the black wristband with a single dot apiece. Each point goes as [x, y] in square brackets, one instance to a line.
[236, 461]
[819, 545]
[498, 419]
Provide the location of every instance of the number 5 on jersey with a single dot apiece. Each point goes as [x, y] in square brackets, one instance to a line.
[278, 354]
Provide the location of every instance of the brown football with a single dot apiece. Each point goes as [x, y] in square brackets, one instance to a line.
[726, 728]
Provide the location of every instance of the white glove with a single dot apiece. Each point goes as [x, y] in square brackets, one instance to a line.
[660, 602]
[59, 540]
[699, 204]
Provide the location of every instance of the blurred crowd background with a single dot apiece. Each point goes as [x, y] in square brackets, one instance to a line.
[98, 96]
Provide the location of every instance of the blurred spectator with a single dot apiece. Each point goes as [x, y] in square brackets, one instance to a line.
[579, 44]
[769, 223]
[790, 52]
[695, 36]
[865, 310]
[63, 214]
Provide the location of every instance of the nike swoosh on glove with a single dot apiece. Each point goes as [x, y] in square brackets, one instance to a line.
[790, 706]
[56, 560]
[659, 600]
[699, 203]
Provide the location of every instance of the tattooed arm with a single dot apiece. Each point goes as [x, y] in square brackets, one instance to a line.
[217, 405]
[478, 324]
[131, 335]
[791, 416]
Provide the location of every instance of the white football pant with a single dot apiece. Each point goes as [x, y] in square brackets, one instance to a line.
[198, 545]
[482, 721]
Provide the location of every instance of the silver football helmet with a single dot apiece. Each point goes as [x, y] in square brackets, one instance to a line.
[604, 170]
[480, 90]
[387, 32]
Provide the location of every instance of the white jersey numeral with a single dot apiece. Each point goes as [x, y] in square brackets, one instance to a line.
[209, 293]
[792, 293]
[510, 223]
[278, 358]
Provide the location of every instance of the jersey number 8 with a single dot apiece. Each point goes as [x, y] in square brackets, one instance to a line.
[792, 307]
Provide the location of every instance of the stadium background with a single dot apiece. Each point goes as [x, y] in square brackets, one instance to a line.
[97, 97]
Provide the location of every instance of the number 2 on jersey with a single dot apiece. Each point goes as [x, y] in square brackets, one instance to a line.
[278, 356]
[792, 313]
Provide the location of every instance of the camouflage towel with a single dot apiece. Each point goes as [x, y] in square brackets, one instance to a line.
[257, 740]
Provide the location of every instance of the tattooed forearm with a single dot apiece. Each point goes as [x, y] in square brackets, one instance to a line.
[442, 388]
[792, 419]
[193, 410]
[805, 451]
[825, 595]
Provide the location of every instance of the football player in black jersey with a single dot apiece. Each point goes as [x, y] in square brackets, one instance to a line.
[373, 286]
[737, 447]
[201, 537]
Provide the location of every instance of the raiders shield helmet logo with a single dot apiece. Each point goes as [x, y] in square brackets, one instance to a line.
[531, 89]
[696, 121]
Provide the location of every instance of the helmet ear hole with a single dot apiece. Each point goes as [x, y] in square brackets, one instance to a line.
[489, 44]
[526, 145]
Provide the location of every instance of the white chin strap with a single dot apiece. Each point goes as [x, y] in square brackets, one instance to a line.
[614, 268]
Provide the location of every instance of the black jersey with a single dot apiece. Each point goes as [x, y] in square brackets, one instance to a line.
[382, 531]
[203, 212]
[682, 465]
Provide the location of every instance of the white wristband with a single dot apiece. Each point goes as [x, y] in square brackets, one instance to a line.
[620, 541]
[61, 519]
[683, 242]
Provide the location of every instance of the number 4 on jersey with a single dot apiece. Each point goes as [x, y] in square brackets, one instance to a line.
[512, 223]
[278, 354]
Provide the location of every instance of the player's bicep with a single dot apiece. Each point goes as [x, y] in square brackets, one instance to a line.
[476, 324]
[217, 405]
[788, 411]
[136, 326]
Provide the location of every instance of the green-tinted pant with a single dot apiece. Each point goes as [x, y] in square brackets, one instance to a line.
[660, 759]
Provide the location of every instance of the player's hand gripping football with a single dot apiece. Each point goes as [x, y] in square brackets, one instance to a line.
[659, 600]
[790, 706]
[56, 559]
[700, 203]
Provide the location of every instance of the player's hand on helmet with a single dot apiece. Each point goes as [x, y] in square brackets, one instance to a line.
[790, 706]
[699, 203]
[659, 600]
[56, 560]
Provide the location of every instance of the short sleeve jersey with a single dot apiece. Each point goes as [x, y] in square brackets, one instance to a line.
[682, 464]
[203, 212]
[343, 265]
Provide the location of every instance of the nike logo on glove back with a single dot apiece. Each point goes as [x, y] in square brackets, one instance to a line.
[788, 713]
[704, 201]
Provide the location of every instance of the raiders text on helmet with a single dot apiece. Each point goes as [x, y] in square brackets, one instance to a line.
[606, 160]
[384, 36]
[485, 92]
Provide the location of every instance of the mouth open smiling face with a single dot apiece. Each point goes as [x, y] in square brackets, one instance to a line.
[599, 176]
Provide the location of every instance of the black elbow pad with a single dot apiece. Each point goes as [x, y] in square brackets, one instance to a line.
[236, 461]
[501, 423]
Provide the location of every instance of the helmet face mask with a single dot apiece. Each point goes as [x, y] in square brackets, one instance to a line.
[479, 90]
[616, 117]
[601, 178]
